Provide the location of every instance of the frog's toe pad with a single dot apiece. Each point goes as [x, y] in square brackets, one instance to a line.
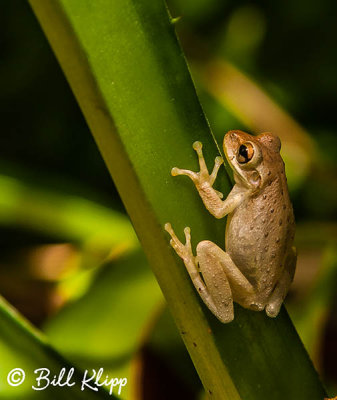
[272, 310]
[197, 146]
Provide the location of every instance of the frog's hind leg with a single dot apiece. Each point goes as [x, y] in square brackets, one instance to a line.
[281, 289]
[221, 306]
[225, 280]
[216, 281]
[215, 276]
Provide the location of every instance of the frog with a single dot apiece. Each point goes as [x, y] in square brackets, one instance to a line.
[258, 264]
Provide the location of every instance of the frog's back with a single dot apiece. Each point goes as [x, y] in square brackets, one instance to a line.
[260, 233]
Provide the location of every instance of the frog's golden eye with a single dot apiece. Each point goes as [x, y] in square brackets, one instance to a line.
[245, 153]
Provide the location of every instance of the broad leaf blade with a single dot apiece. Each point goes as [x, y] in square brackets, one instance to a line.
[21, 346]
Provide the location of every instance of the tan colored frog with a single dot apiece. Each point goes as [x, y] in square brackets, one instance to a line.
[259, 263]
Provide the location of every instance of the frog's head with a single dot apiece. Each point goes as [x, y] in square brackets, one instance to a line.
[252, 157]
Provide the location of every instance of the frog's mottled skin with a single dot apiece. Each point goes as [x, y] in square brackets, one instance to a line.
[259, 263]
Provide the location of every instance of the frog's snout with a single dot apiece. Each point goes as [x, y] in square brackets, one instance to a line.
[230, 144]
[231, 138]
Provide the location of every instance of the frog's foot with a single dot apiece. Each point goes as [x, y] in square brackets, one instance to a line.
[203, 176]
[184, 251]
[191, 264]
[273, 308]
[217, 164]
[178, 171]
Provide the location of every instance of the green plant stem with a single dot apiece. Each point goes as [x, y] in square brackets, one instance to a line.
[130, 78]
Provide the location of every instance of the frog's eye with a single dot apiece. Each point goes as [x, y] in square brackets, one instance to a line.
[245, 153]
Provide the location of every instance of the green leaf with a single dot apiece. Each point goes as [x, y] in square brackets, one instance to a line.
[64, 216]
[111, 316]
[129, 75]
[22, 346]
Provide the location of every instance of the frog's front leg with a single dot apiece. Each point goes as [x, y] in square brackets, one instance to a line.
[204, 183]
[215, 276]
[282, 287]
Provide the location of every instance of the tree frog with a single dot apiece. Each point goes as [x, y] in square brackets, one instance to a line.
[258, 265]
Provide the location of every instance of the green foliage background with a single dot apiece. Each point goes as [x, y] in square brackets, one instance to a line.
[60, 214]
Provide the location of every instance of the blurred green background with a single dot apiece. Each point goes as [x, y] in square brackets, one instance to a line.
[70, 261]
